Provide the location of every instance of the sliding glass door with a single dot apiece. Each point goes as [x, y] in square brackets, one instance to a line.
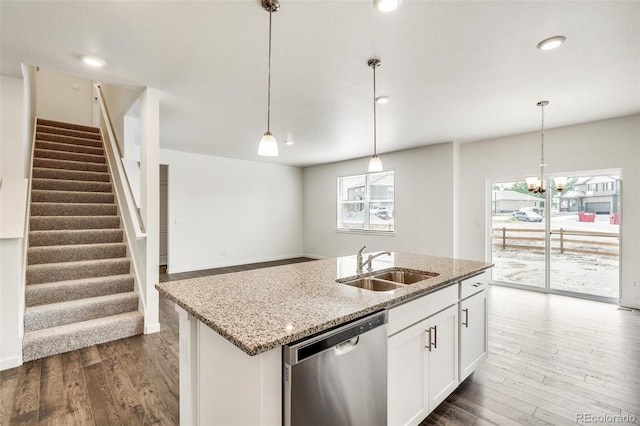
[518, 235]
[571, 247]
[585, 237]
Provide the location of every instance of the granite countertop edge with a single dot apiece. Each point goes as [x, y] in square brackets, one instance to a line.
[258, 347]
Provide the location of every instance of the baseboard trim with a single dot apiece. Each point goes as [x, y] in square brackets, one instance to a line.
[152, 328]
[314, 256]
[171, 270]
[12, 362]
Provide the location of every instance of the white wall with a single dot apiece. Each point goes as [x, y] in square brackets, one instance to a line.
[119, 100]
[607, 144]
[11, 112]
[65, 98]
[424, 201]
[12, 174]
[251, 210]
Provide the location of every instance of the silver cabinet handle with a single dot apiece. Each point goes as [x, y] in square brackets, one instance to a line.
[435, 337]
[428, 346]
[466, 317]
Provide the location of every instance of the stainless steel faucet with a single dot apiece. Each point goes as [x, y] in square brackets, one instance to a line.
[360, 265]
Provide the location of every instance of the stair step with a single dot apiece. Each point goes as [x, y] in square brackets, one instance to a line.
[71, 185]
[72, 156]
[44, 223]
[64, 291]
[52, 272]
[44, 196]
[52, 137]
[75, 252]
[76, 236]
[67, 132]
[59, 146]
[70, 175]
[57, 340]
[63, 313]
[50, 163]
[53, 123]
[73, 209]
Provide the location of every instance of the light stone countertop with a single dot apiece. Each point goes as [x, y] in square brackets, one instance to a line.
[261, 309]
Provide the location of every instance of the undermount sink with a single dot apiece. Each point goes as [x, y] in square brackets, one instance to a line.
[389, 280]
[404, 277]
[370, 283]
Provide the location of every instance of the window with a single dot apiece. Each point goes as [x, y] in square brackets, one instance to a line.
[593, 187]
[366, 202]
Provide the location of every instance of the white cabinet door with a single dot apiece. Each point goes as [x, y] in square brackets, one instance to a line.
[423, 367]
[443, 356]
[407, 399]
[473, 333]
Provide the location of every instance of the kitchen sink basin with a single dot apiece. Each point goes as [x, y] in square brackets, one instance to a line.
[370, 283]
[388, 281]
[404, 277]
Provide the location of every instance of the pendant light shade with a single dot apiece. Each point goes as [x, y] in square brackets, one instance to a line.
[268, 146]
[561, 182]
[375, 164]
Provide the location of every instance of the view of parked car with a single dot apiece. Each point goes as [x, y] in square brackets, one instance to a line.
[527, 216]
[384, 214]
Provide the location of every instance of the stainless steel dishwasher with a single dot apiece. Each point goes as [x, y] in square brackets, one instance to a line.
[338, 377]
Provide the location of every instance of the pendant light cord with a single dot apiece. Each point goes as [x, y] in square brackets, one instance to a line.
[542, 137]
[375, 128]
[269, 78]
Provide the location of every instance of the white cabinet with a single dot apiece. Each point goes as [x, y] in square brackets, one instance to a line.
[407, 399]
[423, 363]
[443, 357]
[473, 333]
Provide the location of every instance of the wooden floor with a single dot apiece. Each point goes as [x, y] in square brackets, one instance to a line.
[552, 359]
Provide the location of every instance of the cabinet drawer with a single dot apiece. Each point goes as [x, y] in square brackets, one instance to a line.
[473, 285]
[416, 310]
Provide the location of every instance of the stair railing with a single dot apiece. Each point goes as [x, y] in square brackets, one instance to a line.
[27, 227]
[121, 182]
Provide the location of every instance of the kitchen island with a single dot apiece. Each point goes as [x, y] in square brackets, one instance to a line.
[232, 326]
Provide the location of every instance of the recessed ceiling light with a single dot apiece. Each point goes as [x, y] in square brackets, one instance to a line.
[551, 43]
[386, 5]
[289, 142]
[93, 61]
[382, 100]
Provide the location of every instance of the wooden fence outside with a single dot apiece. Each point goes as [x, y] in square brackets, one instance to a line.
[520, 240]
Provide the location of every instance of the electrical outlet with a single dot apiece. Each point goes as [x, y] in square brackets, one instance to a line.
[224, 253]
[634, 284]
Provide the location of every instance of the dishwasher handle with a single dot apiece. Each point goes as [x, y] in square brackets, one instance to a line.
[343, 339]
[346, 347]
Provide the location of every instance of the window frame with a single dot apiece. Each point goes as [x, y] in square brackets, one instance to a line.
[366, 205]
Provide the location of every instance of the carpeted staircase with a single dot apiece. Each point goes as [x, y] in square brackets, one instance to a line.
[80, 291]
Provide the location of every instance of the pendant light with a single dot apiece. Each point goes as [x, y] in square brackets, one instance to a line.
[375, 164]
[535, 184]
[268, 146]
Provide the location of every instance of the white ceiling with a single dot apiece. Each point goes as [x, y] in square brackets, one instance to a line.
[455, 70]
